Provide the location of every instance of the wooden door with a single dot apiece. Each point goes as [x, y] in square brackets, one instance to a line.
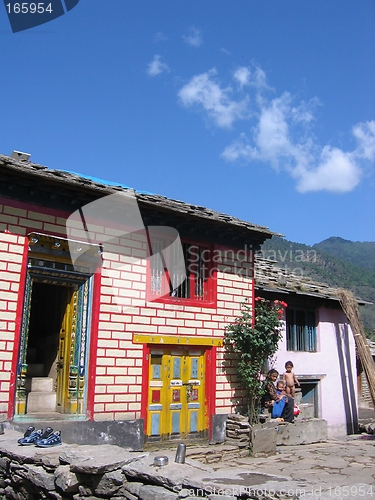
[176, 394]
[64, 349]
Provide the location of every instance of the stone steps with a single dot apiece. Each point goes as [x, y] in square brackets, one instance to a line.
[42, 397]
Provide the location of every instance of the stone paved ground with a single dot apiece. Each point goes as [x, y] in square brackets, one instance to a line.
[335, 470]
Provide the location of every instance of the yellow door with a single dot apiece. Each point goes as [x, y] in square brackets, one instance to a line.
[63, 355]
[176, 394]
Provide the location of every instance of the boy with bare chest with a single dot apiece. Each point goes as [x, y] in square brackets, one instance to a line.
[290, 379]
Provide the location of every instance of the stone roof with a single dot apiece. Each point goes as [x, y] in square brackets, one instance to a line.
[99, 187]
[371, 345]
[271, 278]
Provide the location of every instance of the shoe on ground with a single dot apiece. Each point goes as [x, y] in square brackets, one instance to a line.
[54, 439]
[31, 438]
[45, 434]
[28, 431]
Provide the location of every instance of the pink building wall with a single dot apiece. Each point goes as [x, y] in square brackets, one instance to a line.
[334, 365]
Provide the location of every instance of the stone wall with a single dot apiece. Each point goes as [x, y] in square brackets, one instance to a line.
[72, 472]
[128, 434]
[238, 433]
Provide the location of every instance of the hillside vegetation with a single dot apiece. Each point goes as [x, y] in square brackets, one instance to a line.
[361, 254]
[331, 267]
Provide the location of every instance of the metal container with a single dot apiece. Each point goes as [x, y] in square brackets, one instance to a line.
[180, 453]
[160, 461]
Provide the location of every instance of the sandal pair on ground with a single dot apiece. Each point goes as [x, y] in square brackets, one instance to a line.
[45, 439]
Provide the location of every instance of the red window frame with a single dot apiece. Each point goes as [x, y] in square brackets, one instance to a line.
[185, 294]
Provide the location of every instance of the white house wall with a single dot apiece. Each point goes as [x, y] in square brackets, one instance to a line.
[334, 364]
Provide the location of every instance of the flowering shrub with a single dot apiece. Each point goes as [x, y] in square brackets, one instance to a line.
[255, 339]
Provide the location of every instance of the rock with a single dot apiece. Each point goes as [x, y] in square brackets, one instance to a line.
[133, 487]
[36, 475]
[55, 495]
[84, 490]
[4, 464]
[88, 459]
[238, 418]
[123, 493]
[150, 492]
[77, 496]
[184, 493]
[263, 440]
[221, 497]
[50, 461]
[110, 482]
[66, 480]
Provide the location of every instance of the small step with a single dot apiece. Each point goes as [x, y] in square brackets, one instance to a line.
[42, 384]
[307, 410]
[41, 402]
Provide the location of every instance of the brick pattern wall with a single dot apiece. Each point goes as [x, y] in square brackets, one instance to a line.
[234, 286]
[124, 309]
[11, 254]
[16, 220]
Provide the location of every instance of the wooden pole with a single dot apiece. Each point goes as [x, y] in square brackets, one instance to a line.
[349, 305]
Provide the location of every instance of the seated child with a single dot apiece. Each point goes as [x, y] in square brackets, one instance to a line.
[280, 387]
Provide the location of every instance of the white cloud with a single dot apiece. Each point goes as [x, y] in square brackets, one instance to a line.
[304, 112]
[272, 132]
[277, 139]
[225, 51]
[241, 149]
[365, 135]
[281, 133]
[336, 171]
[204, 91]
[242, 75]
[194, 37]
[156, 66]
[160, 37]
[255, 77]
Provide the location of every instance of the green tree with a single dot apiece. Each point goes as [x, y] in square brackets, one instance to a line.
[255, 339]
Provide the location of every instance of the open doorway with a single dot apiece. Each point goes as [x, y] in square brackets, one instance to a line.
[49, 330]
[55, 329]
[310, 400]
[55, 335]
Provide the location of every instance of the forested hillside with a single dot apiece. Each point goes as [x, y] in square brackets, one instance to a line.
[361, 254]
[330, 269]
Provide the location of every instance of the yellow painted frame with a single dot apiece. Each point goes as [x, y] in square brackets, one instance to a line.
[176, 340]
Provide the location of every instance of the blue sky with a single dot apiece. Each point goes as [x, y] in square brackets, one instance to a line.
[264, 110]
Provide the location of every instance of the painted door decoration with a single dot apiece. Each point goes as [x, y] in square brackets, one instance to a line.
[66, 359]
[176, 394]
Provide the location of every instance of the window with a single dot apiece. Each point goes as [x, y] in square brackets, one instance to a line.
[300, 330]
[173, 281]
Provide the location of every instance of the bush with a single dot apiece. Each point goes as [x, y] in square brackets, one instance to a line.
[255, 339]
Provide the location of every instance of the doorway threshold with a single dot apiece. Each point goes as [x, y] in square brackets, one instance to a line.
[33, 417]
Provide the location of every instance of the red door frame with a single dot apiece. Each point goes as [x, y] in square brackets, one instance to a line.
[93, 339]
[91, 374]
[210, 384]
